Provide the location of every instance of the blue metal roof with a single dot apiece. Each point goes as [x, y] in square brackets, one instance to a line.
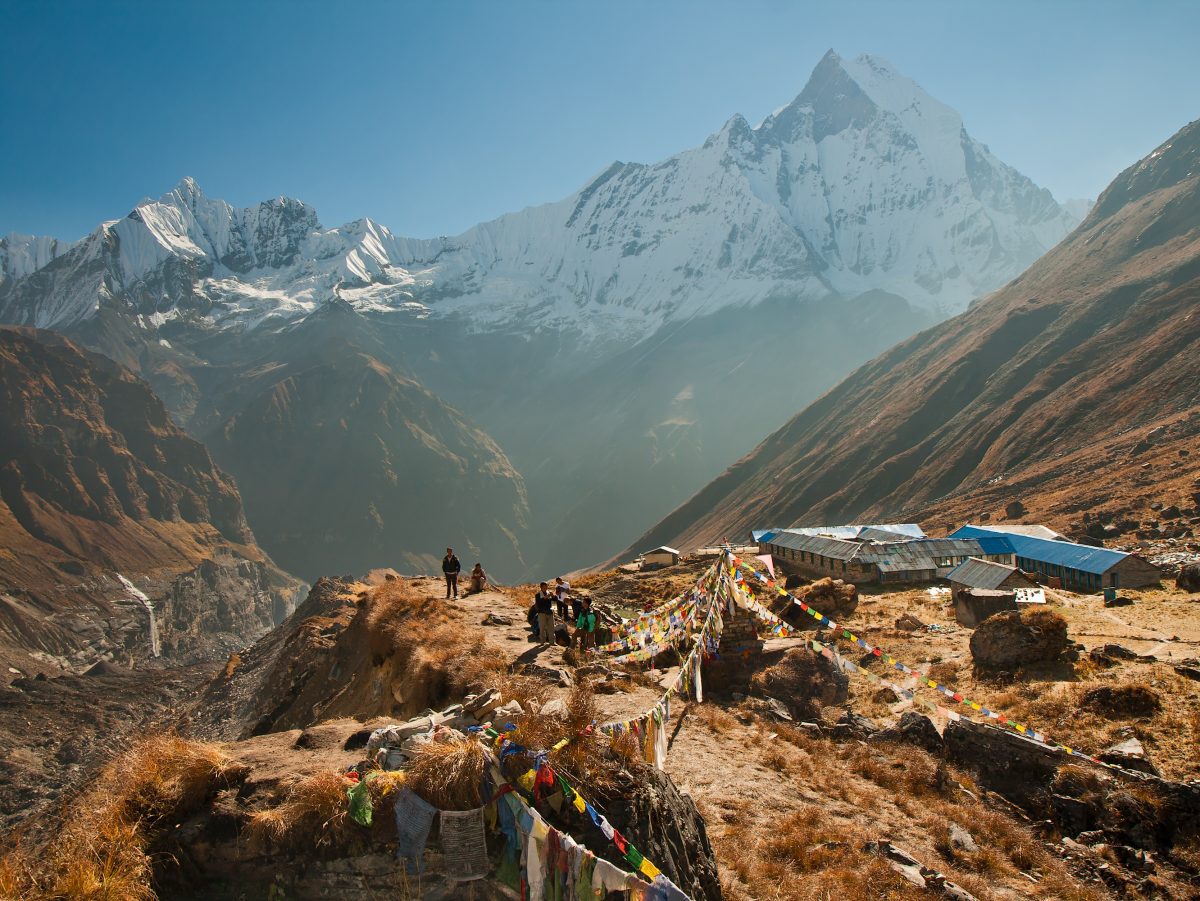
[995, 544]
[1086, 559]
[760, 535]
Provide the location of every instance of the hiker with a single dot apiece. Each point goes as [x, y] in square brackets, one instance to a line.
[544, 600]
[585, 626]
[478, 579]
[450, 569]
[562, 588]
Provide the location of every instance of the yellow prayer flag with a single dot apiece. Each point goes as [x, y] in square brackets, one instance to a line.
[580, 804]
[526, 781]
[649, 870]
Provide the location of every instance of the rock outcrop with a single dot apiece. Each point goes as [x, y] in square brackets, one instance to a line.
[104, 504]
[1012, 639]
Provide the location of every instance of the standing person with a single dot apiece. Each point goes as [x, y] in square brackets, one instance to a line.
[450, 569]
[544, 600]
[562, 588]
[585, 626]
[478, 579]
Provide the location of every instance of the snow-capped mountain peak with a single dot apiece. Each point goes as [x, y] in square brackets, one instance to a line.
[864, 182]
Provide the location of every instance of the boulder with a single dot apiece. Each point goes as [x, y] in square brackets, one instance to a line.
[663, 823]
[1002, 761]
[913, 729]
[1015, 510]
[1118, 601]
[853, 725]
[1108, 654]
[833, 597]
[1189, 577]
[1016, 638]
[909, 623]
[1131, 755]
[805, 680]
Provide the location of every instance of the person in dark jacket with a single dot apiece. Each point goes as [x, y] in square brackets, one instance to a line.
[544, 600]
[450, 569]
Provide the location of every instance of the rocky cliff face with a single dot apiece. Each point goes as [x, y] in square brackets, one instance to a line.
[101, 493]
[1055, 374]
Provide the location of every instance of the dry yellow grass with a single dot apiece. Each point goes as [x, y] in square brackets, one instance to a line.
[436, 655]
[589, 756]
[314, 813]
[448, 774]
[100, 852]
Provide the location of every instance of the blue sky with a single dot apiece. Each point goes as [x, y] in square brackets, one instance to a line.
[430, 117]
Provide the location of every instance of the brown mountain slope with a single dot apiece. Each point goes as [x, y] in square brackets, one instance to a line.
[96, 481]
[348, 464]
[1098, 338]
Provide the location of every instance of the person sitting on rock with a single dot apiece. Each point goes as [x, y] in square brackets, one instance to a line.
[585, 626]
[478, 579]
[544, 599]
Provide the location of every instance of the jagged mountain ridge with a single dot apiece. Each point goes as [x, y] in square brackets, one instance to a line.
[1099, 339]
[805, 245]
[99, 490]
[864, 182]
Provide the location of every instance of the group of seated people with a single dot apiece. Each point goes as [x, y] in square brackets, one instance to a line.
[574, 610]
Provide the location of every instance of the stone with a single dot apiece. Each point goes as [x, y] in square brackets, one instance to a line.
[1002, 761]
[1131, 755]
[549, 673]
[1190, 672]
[1171, 512]
[913, 729]
[1072, 815]
[1015, 510]
[960, 838]
[1011, 639]
[805, 681]
[507, 711]
[852, 725]
[1119, 601]
[482, 704]
[909, 623]
[1189, 577]
[1108, 653]
[493, 620]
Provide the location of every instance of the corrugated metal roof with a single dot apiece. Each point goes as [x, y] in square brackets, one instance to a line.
[1097, 560]
[976, 573]
[833, 548]
[910, 529]
[870, 533]
[1033, 530]
[918, 551]
[995, 544]
[758, 536]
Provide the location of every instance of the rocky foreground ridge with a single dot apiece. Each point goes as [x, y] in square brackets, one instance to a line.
[790, 779]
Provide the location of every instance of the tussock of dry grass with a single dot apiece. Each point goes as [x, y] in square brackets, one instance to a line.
[449, 774]
[100, 852]
[315, 813]
[588, 756]
[437, 656]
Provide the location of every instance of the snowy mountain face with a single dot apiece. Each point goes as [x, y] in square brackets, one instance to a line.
[21, 255]
[862, 183]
